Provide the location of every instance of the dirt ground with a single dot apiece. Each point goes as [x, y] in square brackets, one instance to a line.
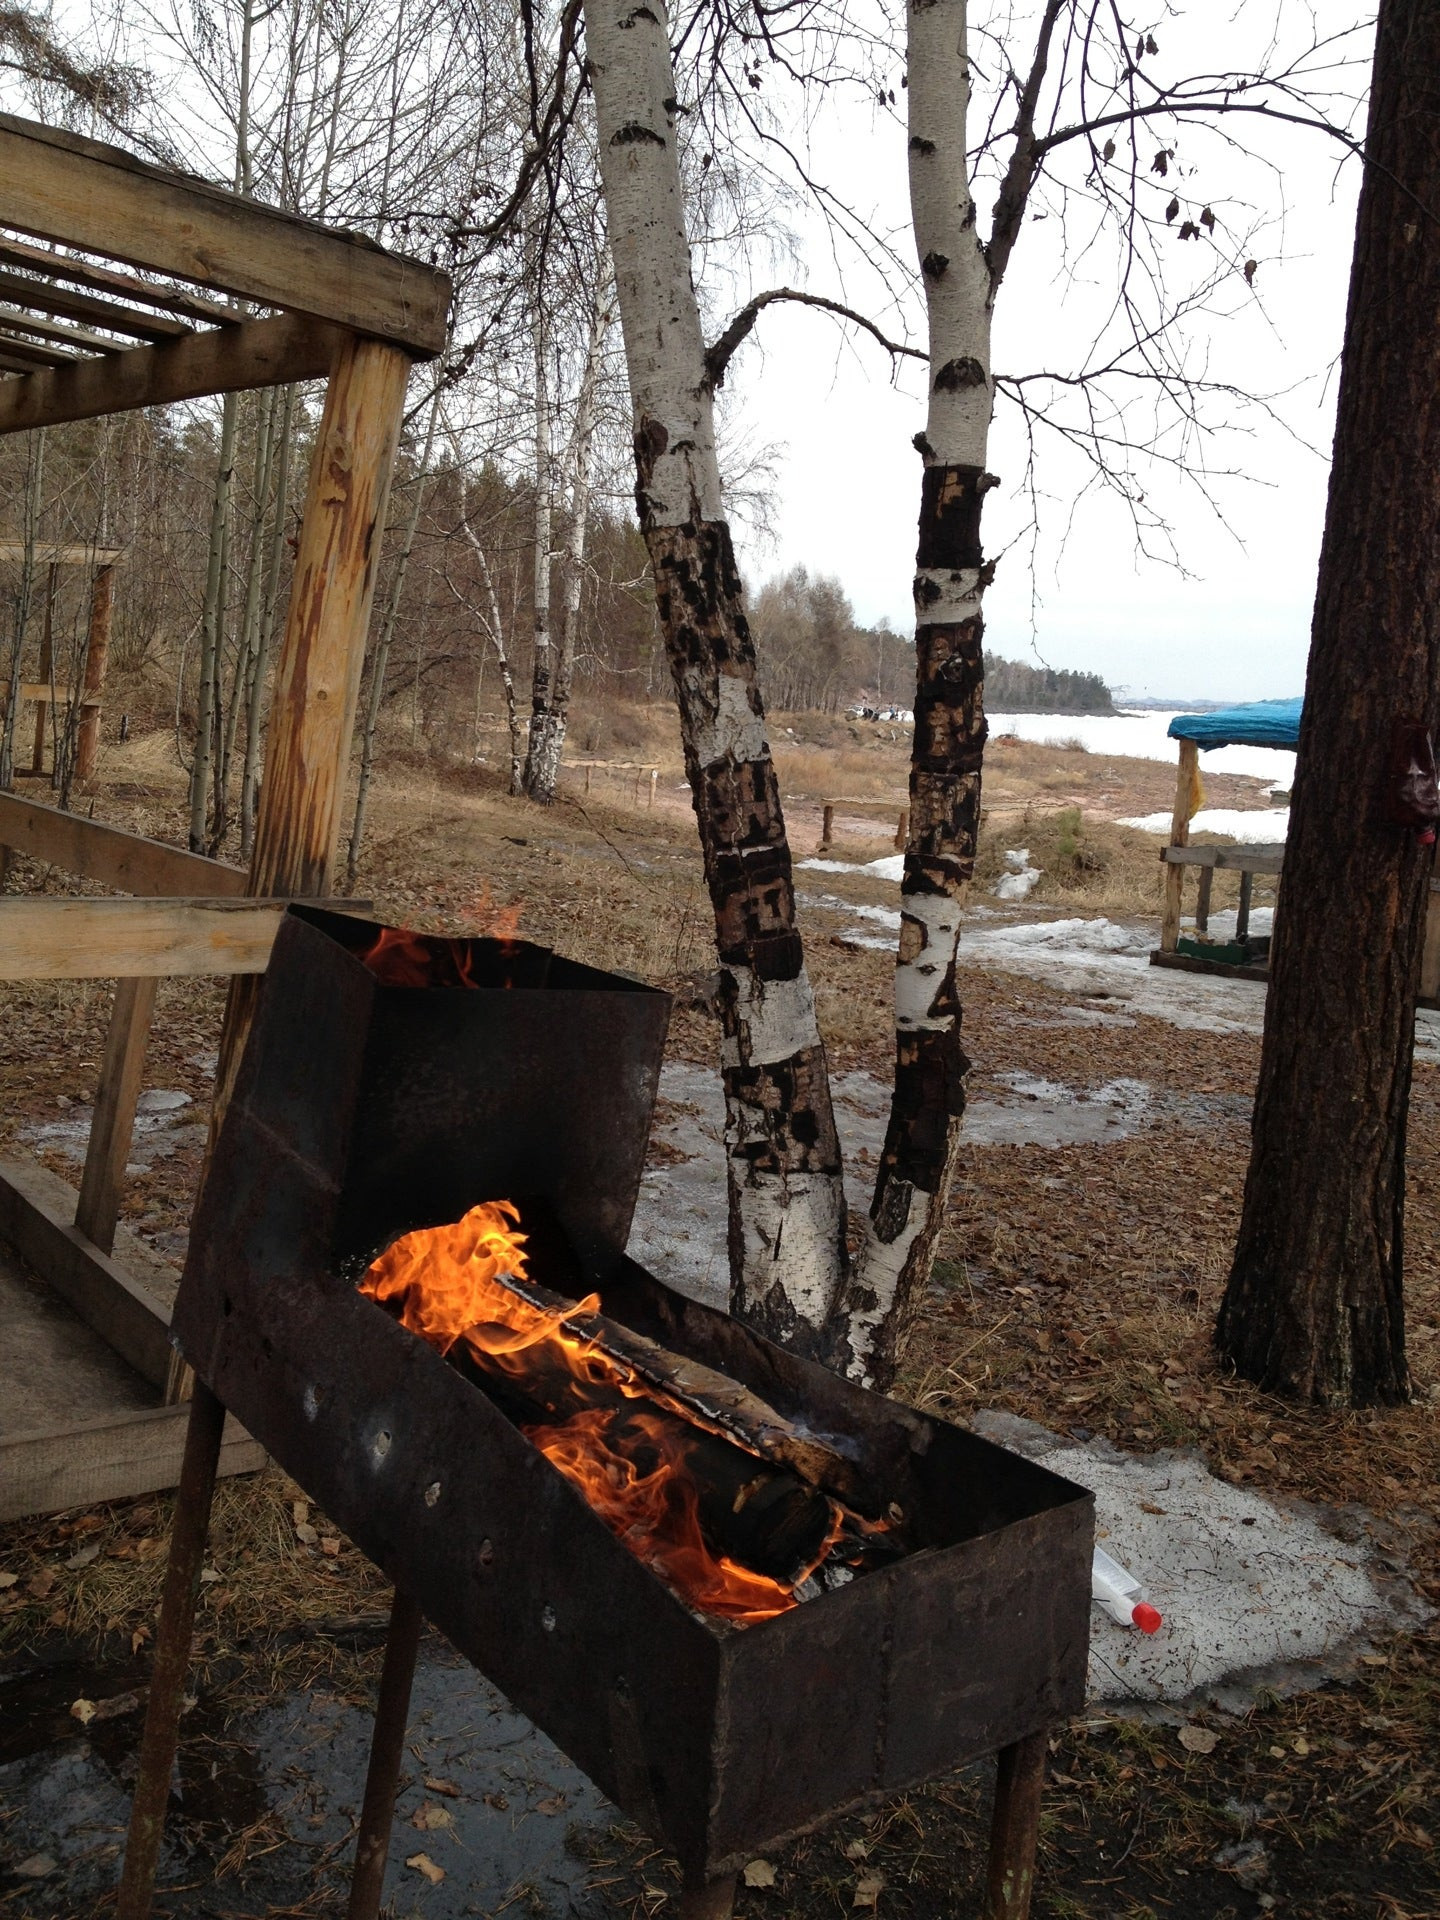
[1075, 1285]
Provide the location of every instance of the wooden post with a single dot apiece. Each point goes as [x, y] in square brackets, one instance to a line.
[902, 830]
[47, 666]
[1015, 1828]
[827, 826]
[114, 1122]
[654, 777]
[1179, 837]
[1202, 902]
[312, 714]
[102, 602]
[1242, 912]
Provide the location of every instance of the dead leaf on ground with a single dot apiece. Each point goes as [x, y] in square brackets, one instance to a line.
[1148, 1506]
[422, 1863]
[498, 1802]
[39, 1584]
[85, 1557]
[83, 1711]
[330, 1546]
[36, 1867]
[759, 1873]
[868, 1890]
[8, 1580]
[857, 1850]
[430, 1819]
[556, 1803]
[1199, 1739]
[305, 1533]
[447, 1787]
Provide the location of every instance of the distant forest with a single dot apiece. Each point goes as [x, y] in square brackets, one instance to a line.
[1013, 687]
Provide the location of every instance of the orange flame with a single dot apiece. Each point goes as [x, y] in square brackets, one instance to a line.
[629, 1460]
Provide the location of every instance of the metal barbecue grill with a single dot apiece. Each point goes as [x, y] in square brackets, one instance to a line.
[392, 1082]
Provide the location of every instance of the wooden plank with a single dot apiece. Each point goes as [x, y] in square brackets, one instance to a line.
[259, 353]
[111, 1130]
[54, 937]
[66, 335]
[1245, 859]
[85, 307]
[83, 194]
[117, 1457]
[110, 855]
[1183, 963]
[30, 353]
[62, 553]
[85, 273]
[37, 1214]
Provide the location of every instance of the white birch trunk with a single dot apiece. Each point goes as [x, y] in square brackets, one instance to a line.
[787, 1205]
[541, 671]
[913, 1183]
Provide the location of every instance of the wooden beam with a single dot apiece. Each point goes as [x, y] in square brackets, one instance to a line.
[63, 553]
[37, 1213]
[60, 331]
[1183, 963]
[58, 937]
[83, 194]
[30, 353]
[118, 1457]
[1244, 859]
[260, 353]
[312, 709]
[85, 273]
[84, 306]
[113, 1126]
[110, 855]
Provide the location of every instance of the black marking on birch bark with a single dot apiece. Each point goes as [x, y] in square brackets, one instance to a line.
[926, 591]
[771, 1314]
[628, 20]
[934, 265]
[969, 216]
[922, 445]
[951, 499]
[799, 1135]
[930, 1071]
[633, 134]
[918, 144]
[956, 375]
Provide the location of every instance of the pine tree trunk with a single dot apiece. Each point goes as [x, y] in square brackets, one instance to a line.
[913, 1183]
[786, 1196]
[546, 752]
[1314, 1305]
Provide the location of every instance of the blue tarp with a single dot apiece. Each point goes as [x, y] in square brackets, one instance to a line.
[1263, 723]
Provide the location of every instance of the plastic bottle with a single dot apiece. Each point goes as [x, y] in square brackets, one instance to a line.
[1118, 1591]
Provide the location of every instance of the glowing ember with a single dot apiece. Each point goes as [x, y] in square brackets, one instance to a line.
[629, 1448]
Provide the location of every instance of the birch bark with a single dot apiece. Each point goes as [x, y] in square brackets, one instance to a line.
[950, 578]
[786, 1197]
[542, 717]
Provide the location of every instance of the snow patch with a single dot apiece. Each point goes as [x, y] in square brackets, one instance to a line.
[1256, 826]
[1140, 735]
[1021, 879]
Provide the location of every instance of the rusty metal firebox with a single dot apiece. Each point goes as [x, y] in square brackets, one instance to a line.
[363, 1110]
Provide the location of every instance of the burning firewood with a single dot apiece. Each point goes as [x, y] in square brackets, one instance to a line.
[700, 1477]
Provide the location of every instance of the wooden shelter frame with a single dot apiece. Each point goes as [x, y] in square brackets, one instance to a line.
[42, 694]
[125, 285]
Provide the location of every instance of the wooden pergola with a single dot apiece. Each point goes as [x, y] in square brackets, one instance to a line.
[124, 285]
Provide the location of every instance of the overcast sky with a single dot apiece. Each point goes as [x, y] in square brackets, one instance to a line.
[847, 489]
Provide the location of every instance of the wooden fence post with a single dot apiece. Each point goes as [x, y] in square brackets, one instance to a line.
[114, 1123]
[1179, 837]
[102, 603]
[902, 830]
[827, 826]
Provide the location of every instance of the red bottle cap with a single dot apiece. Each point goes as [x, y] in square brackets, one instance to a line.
[1146, 1618]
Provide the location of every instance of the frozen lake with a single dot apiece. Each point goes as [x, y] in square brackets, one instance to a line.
[1142, 736]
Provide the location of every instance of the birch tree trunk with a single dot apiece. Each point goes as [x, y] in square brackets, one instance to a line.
[34, 483]
[787, 1202]
[546, 752]
[541, 672]
[495, 626]
[259, 658]
[913, 1182]
[1314, 1307]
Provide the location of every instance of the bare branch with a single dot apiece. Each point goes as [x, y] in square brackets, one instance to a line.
[718, 356]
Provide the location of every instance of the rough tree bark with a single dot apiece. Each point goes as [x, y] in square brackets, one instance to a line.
[787, 1206]
[548, 746]
[1314, 1305]
[212, 627]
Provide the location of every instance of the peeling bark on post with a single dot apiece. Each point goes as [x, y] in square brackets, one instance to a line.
[951, 575]
[312, 714]
[787, 1205]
